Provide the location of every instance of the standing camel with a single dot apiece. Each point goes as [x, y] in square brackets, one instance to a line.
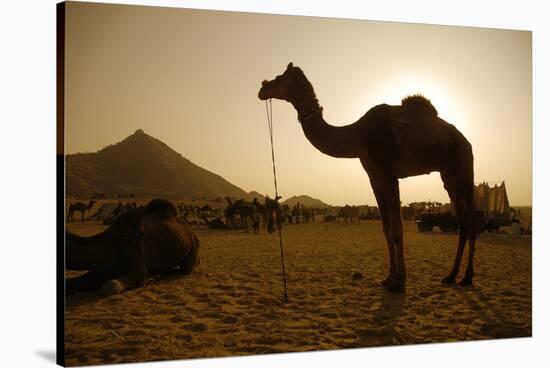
[392, 142]
[79, 206]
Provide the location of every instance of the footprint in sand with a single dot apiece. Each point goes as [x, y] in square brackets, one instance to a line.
[177, 319]
[133, 332]
[184, 337]
[230, 319]
[196, 327]
[168, 297]
[329, 315]
[267, 301]
[214, 315]
[267, 340]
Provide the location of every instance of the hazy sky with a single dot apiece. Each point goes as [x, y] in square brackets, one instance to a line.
[190, 78]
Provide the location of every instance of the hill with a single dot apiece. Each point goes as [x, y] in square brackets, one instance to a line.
[146, 167]
[306, 201]
[254, 194]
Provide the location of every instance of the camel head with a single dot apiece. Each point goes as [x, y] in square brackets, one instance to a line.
[288, 86]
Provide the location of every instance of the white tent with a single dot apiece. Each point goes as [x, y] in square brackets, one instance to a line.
[104, 211]
[492, 201]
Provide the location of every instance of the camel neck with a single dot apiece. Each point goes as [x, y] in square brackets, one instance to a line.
[342, 142]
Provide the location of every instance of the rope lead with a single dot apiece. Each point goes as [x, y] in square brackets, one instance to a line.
[269, 110]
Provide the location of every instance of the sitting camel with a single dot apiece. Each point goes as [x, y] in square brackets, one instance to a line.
[392, 142]
[79, 206]
[146, 241]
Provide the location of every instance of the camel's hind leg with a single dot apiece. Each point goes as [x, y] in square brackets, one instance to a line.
[449, 183]
[469, 275]
[461, 194]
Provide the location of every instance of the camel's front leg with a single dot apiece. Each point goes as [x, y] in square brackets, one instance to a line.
[126, 282]
[389, 240]
[136, 269]
[393, 209]
[90, 281]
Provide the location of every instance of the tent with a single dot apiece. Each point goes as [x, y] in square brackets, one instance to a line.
[104, 211]
[492, 201]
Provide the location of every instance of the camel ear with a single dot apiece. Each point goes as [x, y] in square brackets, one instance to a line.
[290, 66]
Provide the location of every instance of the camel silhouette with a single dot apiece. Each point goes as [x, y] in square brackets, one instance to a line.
[140, 243]
[79, 206]
[392, 142]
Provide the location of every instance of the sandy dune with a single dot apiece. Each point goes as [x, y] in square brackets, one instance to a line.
[233, 304]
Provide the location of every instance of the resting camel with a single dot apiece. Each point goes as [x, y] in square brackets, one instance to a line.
[140, 243]
[79, 206]
[392, 142]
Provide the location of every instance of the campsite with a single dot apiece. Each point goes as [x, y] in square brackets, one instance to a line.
[233, 304]
[225, 196]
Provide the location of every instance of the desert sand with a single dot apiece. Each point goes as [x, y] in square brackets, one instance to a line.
[233, 305]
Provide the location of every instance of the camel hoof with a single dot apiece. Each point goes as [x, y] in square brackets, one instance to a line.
[465, 282]
[449, 280]
[112, 287]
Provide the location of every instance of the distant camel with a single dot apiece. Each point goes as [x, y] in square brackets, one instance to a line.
[79, 206]
[246, 211]
[140, 243]
[259, 213]
[349, 213]
[297, 212]
[230, 212]
[214, 224]
[273, 212]
[392, 142]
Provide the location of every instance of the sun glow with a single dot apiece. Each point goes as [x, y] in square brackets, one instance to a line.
[445, 101]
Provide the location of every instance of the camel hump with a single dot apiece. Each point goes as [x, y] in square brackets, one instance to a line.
[162, 208]
[418, 104]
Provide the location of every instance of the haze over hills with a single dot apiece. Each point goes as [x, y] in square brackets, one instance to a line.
[306, 201]
[146, 167]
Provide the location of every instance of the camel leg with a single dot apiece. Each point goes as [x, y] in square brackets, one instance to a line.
[393, 203]
[135, 274]
[462, 237]
[451, 187]
[90, 281]
[389, 240]
[467, 280]
[125, 282]
[190, 262]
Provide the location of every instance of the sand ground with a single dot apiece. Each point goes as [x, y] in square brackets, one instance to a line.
[233, 304]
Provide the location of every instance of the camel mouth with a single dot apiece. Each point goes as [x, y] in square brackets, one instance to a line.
[262, 94]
